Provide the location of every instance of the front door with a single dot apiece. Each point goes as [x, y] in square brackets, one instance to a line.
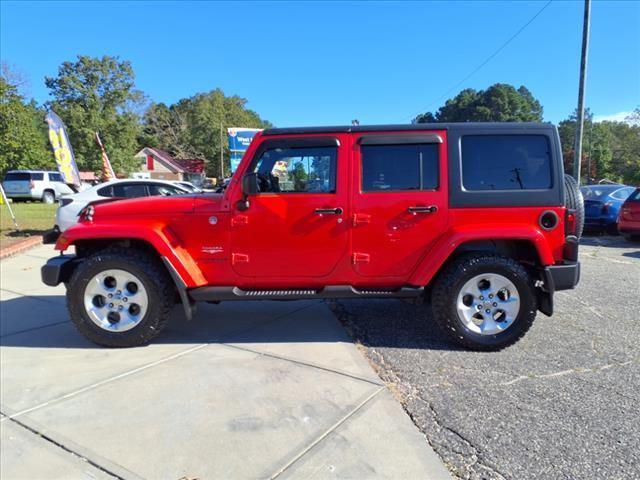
[399, 201]
[295, 226]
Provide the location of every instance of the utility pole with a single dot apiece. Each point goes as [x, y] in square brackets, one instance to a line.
[221, 155]
[577, 156]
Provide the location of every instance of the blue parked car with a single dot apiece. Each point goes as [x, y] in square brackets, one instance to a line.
[602, 205]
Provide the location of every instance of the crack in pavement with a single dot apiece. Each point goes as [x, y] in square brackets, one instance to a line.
[562, 373]
[400, 391]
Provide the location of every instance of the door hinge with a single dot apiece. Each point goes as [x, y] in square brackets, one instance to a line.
[239, 220]
[361, 219]
[237, 258]
[360, 258]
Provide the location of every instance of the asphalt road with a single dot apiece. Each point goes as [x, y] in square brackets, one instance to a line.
[564, 402]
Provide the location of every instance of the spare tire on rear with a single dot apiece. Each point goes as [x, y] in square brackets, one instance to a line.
[573, 200]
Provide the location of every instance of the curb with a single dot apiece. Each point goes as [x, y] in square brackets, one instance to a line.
[21, 246]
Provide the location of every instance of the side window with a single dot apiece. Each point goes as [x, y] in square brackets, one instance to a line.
[106, 191]
[622, 194]
[130, 190]
[506, 162]
[297, 170]
[37, 176]
[399, 167]
[166, 190]
[55, 177]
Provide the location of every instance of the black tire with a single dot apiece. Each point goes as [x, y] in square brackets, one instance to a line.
[452, 279]
[154, 277]
[48, 197]
[573, 200]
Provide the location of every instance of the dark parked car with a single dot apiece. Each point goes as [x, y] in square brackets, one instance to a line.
[629, 219]
[602, 205]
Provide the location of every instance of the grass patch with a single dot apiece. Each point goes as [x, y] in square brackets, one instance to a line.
[33, 218]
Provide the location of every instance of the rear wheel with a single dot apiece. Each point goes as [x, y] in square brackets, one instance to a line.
[484, 301]
[120, 298]
[48, 197]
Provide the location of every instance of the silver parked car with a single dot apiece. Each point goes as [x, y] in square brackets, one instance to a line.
[70, 206]
[35, 185]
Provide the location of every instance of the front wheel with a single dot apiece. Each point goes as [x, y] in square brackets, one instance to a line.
[484, 301]
[120, 297]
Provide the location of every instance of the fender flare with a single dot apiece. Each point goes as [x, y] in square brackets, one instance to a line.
[160, 237]
[454, 237]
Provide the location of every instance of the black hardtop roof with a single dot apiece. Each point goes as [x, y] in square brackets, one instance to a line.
[407, 127]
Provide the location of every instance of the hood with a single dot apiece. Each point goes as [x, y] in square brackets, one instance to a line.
[153, 206]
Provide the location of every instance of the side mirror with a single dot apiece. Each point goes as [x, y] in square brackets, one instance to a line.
[250, 184]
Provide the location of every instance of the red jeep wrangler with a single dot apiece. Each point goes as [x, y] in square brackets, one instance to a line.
[478, 218]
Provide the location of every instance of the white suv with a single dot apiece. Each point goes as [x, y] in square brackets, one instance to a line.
[35, 185]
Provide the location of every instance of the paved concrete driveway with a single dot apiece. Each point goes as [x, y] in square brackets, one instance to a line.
[246, 390]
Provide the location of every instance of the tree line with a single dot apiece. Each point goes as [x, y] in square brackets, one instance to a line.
[99, 94]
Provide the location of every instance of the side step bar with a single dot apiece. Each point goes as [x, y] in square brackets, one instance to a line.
[210, 294]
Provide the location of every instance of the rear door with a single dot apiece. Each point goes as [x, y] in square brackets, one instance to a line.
[399, 201]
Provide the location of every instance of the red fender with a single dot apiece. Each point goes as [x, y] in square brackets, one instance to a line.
[159, 236]
[457, 236]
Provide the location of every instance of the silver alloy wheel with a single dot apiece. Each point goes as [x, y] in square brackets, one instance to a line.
[488, 304]
[116, 300]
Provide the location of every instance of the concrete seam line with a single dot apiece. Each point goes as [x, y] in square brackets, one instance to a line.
[33, 328]
[306, 364]
[325, 434]
[65, 448]
[105, 381]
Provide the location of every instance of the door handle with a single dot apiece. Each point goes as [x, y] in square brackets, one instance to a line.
[429, 209]
[329, 211]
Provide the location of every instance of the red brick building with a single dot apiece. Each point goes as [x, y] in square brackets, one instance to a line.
[161, 165]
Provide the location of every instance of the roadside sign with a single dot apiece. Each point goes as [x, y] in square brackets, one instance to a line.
[239, 141]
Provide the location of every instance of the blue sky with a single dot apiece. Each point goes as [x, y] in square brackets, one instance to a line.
[328, 63]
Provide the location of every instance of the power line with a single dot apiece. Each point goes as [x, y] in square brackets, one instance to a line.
[487, 60]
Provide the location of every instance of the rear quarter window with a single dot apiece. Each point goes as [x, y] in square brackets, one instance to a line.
[37, 176]
[506, 162]
[17, 177]
[622, 194]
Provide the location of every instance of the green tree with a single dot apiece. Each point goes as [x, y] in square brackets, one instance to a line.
[610, 150]
[98, 95]
[498, 103]
[192, 127]
[23, 139]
